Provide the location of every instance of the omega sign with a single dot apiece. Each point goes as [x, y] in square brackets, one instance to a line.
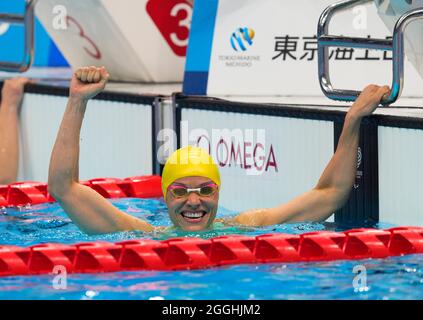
[247, 155]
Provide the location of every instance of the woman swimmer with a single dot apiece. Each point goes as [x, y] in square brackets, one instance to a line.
[11, 100]
[190, 179]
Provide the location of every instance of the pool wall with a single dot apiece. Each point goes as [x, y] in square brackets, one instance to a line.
[116, 137]
[279, 150]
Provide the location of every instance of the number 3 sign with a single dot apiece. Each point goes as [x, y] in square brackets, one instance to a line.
[173, 19]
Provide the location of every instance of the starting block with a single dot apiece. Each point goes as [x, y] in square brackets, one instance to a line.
[143, 40]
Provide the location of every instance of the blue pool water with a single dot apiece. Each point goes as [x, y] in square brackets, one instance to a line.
[392, 278]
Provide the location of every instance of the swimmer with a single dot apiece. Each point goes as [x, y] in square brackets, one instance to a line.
[190, 180]
[11, 100]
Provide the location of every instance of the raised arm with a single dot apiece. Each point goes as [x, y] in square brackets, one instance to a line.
[89, 210]
[335, 184]
[12, 95]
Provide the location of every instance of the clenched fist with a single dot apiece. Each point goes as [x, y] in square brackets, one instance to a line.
[368, 100]
[87, 82]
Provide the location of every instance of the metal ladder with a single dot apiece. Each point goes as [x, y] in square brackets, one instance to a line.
[396, 45]
[27, 20]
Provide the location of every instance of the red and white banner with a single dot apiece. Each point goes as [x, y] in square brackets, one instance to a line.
[143, 40]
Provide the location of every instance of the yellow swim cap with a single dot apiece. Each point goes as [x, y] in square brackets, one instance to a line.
[189, 162]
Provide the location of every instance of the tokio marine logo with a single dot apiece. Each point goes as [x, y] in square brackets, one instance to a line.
[242, 38]
[240, 41]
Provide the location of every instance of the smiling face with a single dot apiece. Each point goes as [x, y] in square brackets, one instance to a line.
[193, 212]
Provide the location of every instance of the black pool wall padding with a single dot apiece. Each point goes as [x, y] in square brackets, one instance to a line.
[63, 90]
[362, 207]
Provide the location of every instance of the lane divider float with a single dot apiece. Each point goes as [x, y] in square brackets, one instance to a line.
[31, 193]
[195, 253]
[188, 253]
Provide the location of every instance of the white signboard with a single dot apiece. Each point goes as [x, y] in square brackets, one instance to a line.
[269, 47]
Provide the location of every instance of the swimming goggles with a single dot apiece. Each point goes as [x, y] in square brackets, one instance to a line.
[183, 192]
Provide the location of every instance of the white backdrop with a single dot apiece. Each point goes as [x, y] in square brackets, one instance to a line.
[116, 138]
[276, 65]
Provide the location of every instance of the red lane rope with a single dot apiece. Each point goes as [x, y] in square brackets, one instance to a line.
[194, 253]
[24, 193]
[188, 253]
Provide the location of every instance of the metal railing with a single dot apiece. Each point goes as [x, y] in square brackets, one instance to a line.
[27, 20]
[396, 45]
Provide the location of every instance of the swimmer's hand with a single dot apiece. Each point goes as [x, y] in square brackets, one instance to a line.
[368, 100]
[87, 82]
[13, 91]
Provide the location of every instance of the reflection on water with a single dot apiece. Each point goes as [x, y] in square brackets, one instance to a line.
[392, 278]
[26, 226]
